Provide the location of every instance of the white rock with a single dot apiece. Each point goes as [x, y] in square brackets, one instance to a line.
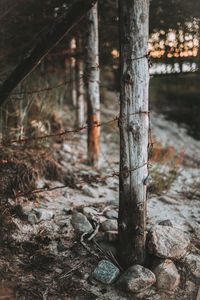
[32, 218]
[111, 214]
[44, 214]
[81, 223]
[89, 212]
[136, 279]
[88, 191]
[109, 225]
[167, 242]
[67, 148]
[167, 276]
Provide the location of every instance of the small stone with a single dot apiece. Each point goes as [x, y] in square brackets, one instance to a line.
[81, 223]
[44, 214]
[32, 218]
[66, 148]
[40, 184]
[111, 214]
[167, 199]
[167, 275]
[106, 272]
[166, 223]
[190, 286]
[192, 264]
[88, 191]
[89, 212]
[111, 236]
[109, 225]
[167, 242]
[136, 279]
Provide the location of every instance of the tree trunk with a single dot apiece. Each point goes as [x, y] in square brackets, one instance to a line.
[133, 124]
[73, 72]
[80, 118]
[46, 42]
[93, 94]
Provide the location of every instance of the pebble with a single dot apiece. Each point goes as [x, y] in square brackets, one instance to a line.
[109, 225]
[167, 242]
[88, 191]
[106, 272]
[111, 214]
[167, 275]
[32, 218]
[89, 212]
[66, 148]
[166, 223]
[81, 223]
[136, 279]
[44, 214]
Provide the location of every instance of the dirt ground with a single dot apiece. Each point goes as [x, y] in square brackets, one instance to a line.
[46, 258]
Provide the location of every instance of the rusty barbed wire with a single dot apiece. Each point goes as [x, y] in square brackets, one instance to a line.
[94, 180]
[65, 132]
[70, 131]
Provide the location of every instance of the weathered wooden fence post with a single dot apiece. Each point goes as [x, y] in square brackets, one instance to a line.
[133, 124]
[93, 94]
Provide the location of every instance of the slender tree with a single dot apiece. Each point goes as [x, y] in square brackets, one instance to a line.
[133, 124]
[72, 61]
[80, 83]
[93, 95]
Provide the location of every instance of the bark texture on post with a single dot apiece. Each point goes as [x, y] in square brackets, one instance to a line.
[93, 94]
[134, 124]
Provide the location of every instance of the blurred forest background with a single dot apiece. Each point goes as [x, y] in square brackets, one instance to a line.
[173, 50]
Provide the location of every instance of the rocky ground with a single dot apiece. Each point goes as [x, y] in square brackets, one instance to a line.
[62, 245]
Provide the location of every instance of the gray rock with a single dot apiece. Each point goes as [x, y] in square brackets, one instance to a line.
[106, 272]
[32, 218]
[166, 223]
[80, 222]
[167, 276]
[111, 236]
[192, 264]
[44, 214]
[136, 279]
[88, 191]
[167, 242]
[111, 214]
[89, 212]
[109, 225]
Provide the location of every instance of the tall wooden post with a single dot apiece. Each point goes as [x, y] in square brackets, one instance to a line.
[93, 94]
[133, 124]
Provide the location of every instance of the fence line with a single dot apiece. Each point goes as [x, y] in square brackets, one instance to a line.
[94, 180]
[65, 132]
